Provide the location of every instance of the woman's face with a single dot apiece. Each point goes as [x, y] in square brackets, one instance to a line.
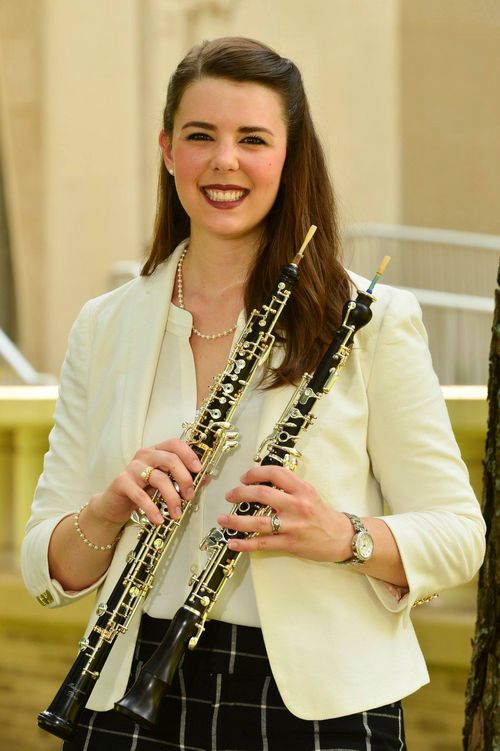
[227, 151]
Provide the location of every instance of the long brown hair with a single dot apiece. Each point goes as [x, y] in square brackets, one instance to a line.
[305, 197]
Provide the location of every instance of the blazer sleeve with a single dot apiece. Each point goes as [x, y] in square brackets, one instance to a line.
[63, 486]
[434, 515]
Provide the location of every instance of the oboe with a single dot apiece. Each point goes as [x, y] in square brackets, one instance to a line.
[210, 436]
[142, 702]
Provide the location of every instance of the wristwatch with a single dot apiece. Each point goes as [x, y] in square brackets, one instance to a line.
[362, 543]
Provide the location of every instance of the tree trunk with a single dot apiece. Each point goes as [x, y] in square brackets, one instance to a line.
[482, 714]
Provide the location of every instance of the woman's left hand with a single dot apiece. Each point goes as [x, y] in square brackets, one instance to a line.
[307, 526]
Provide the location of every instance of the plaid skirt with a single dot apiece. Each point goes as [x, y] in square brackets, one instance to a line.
[224, 698]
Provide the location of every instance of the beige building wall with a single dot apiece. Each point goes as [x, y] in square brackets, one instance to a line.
[450, 114]
[22, 163]
[93, 185]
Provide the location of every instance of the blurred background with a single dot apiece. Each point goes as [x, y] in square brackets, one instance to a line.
[405, 97]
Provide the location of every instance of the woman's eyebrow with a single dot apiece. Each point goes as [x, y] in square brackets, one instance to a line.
[242, 129]
[198, 124]
[254, 128]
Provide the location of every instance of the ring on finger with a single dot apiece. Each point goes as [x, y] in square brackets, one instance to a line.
[146, 473]
[275, 524]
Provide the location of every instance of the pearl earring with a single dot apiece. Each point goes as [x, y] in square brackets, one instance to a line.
[171, 171]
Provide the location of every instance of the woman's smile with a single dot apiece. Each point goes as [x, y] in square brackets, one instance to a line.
[224, 196]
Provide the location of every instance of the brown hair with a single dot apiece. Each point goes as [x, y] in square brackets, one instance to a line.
[305, 197]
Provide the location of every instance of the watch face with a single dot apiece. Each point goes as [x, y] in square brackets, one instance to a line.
[364, 545]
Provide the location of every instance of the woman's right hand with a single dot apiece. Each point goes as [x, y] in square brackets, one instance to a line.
[173, 462]
[77, 566]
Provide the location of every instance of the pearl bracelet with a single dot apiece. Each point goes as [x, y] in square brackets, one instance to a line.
[84, 539]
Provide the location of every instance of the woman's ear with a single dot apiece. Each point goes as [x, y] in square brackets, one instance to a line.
[166, 148]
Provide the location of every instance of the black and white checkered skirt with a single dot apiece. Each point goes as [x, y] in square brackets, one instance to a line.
[224, 698]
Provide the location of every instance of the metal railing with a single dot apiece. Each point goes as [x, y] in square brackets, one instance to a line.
[15, 368]
[453, 275]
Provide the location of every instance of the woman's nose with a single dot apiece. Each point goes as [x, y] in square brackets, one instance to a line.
[225, 157]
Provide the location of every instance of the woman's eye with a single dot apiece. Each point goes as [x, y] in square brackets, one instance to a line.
[198, 137]
[254, 139]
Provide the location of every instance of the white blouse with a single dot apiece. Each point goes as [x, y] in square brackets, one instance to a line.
[173, 402]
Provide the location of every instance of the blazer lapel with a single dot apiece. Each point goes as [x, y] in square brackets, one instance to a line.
[147, 319]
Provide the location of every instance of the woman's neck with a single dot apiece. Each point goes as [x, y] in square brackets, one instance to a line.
[217, 266]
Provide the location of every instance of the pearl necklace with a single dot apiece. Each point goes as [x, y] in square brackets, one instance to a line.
[180, 297]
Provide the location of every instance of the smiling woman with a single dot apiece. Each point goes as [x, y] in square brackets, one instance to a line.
[327, 582]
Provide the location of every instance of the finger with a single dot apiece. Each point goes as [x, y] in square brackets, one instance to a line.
[262, 494]
[164, 485]
[243, 523]
[173, 456]
[168, 472]
[166, 497]
[167, 462]
[183, 451]
[156, 480]
[171, 464]
[281, 477]
[128, 487]
[259, 543]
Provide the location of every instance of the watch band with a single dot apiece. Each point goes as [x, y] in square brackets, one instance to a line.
[361, 535]
[356, 522]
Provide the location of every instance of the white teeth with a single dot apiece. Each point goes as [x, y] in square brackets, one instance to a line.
[224, 195]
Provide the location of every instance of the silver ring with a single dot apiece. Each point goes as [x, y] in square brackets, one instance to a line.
[275, 524]
[146, 474]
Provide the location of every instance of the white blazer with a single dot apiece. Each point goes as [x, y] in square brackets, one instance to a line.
[338, 641]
